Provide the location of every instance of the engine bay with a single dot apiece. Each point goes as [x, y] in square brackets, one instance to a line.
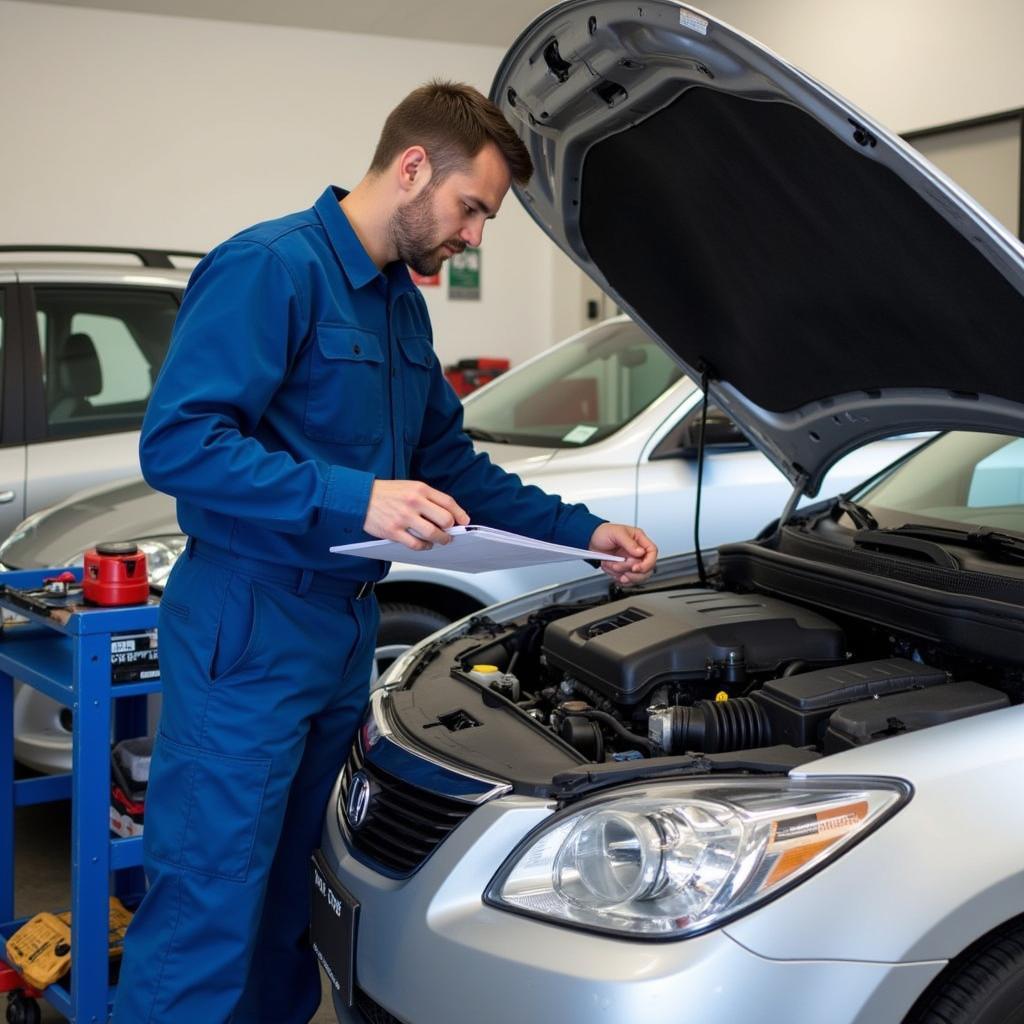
[683, 671]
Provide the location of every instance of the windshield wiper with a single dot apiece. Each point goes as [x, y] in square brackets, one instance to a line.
[994, 543]
[860, 516]
[478, 434]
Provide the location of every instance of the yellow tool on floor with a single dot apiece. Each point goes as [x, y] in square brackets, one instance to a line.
[40, 949]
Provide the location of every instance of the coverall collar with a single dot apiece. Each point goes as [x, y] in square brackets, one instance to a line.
[354, 259]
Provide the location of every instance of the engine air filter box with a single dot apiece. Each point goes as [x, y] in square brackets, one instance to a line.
[868, 720]
[799, 706]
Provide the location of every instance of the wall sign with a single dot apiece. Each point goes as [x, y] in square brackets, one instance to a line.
[464, 274]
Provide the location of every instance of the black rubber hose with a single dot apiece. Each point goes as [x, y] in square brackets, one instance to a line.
[618, 728]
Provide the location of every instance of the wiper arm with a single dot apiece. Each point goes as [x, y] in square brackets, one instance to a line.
[993, 542]
[860, 516]
[477, 434]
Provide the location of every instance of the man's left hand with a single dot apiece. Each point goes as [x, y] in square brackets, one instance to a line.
[632, 544]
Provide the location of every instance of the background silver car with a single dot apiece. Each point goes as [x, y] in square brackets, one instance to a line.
[605, 417]
[779, 783]
[84, 332]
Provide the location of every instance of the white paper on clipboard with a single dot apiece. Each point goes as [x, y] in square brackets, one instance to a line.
[474, 549]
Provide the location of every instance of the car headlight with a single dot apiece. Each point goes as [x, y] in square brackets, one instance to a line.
[675, 859]
[161, 554]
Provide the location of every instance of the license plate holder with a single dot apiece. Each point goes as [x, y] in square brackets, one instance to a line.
[334, 918]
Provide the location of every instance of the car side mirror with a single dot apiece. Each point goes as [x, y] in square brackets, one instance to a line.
[683, 442]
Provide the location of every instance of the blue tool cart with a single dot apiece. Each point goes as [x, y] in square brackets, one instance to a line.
[68, 657]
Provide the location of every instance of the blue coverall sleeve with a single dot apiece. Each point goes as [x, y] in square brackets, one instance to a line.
[241, 323]
[445, 459]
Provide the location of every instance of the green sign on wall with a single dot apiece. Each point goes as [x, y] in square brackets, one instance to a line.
[464, 274]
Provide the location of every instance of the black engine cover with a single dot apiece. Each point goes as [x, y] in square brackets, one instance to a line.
[625, 648]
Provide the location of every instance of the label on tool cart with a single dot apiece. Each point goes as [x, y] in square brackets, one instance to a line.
[332, 928]
[134, 657]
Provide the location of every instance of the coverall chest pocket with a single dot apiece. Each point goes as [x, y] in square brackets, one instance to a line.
[417, 362]
[345, 400]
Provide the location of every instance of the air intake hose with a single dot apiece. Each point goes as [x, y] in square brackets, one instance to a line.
[710, 727]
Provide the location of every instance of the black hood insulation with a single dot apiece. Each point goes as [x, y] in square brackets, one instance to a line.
[757, 243]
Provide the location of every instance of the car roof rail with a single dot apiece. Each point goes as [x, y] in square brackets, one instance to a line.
[148, 257]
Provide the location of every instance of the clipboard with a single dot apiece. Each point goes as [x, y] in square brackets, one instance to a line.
[475, 549]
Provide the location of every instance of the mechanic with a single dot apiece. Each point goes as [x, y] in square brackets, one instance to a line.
[301, 405]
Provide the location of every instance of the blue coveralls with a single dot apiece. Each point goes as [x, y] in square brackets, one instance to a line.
[297, 374]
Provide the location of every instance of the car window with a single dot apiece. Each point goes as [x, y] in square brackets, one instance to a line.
[962, 477]
[998, 479]
[578, 393]
[101, 350]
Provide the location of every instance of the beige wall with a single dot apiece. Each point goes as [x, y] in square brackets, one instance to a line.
[908, 63]
[150, 129]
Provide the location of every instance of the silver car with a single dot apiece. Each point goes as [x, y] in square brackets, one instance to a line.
[779, 783]
[84, 332]
[605, 417]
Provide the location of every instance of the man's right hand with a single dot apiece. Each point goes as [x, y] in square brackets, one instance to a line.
[400, 506]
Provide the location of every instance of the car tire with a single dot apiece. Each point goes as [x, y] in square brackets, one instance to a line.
[985, 987]
[401, 626]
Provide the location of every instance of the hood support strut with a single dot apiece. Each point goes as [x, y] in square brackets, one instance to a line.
[702, 573]
[791, 503]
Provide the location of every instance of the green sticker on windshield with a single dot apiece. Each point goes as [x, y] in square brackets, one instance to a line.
[580, 434]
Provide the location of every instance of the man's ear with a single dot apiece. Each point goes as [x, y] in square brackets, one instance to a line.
[413, 169]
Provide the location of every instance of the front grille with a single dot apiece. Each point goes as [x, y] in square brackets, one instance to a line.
[404, 823]
[372, 1012]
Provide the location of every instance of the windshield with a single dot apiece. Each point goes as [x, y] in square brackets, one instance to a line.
[959, 478]
[577, 394]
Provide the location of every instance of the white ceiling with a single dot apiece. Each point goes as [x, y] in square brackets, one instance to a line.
[487, 22]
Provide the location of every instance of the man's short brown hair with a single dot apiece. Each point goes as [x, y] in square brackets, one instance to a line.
[452, 122]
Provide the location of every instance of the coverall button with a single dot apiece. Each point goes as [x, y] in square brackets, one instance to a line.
[356, 349]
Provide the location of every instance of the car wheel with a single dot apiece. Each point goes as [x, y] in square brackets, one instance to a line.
[986, 988]
[401, 626]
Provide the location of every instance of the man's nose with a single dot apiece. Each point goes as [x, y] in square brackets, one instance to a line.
[472, 234]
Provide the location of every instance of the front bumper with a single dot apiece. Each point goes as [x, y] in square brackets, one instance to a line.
[429, 950]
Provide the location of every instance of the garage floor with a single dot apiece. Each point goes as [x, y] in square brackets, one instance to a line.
[42, 880]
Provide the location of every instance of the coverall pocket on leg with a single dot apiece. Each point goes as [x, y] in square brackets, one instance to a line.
[207, 808]
[238, 628]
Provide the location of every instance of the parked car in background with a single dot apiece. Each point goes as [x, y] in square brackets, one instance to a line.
[83, 332]
[605, 417]
[784, 786]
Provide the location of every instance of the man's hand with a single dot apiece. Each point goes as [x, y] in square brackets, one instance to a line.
[399, 506]
[633, 544]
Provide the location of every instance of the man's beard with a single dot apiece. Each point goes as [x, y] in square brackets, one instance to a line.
[413, 231]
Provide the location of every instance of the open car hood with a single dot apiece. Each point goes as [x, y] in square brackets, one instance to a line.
[835, 287]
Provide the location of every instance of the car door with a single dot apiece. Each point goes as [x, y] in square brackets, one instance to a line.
[90, 369]
[12, 447]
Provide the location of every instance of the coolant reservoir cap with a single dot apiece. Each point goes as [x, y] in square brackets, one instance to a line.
[117, 547]
[572, 707]
[485, 668]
